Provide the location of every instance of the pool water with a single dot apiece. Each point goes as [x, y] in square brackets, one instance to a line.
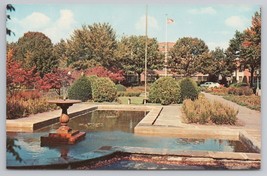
[111, 128]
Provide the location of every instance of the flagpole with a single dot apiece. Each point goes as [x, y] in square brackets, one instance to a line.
[166, 45]
[146, 61]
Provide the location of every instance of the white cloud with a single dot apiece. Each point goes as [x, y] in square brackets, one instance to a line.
[62, 27]
[35, 21]
[55, 29]
[237, 22]
[151, 21]
[206, 10]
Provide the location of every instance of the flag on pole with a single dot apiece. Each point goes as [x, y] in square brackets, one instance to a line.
[170, 21]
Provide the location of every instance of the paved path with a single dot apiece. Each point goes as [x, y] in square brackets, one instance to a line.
[169, 116]
[170, 122]
[249, 119]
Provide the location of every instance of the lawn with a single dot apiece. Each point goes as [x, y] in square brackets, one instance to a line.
[134, 100]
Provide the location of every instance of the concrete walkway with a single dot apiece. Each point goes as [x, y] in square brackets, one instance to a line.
[165, 120]
[250, 120]
[170, 122]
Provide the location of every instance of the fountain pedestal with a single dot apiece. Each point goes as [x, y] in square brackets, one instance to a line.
[64, 134]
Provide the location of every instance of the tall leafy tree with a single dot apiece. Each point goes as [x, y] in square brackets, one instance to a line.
[131, 54]
[189, 56]
[234, 50]
[17, 77]
[222, 66]
[35, 49]
[59, 52]
[93, 42]
[251, 46]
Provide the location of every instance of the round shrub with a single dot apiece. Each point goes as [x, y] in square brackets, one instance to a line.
[165, 91]
[189, 89]
[81, 89]
[103, 89]
[120, 87]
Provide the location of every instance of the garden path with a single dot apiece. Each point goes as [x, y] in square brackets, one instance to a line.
[249, 119]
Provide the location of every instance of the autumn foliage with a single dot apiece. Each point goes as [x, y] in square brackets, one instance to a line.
[55, 80]
[115, 75]
[21, 100]
[18, 77]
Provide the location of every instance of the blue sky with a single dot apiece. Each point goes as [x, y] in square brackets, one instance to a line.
[215, 24]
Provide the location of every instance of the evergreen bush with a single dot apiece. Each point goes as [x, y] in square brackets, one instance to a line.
[103, 89]
[189, 89]
[165, 90]
[81, 89]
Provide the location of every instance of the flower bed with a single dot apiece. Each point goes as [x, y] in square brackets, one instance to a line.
[202, 111]
[252, 101]
[18, 108]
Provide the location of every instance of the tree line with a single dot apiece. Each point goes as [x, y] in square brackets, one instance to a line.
[97, 45]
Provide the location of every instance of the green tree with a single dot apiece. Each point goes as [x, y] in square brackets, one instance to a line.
[222, 65]
[251, 46]
[189, 56]
[234, 50]
[131, 54]
[93, 42]
[59, 52]
[35, 49]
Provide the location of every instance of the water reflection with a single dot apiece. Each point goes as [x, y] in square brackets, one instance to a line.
[104, 120]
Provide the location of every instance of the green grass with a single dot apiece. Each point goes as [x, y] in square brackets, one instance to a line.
[134, 100]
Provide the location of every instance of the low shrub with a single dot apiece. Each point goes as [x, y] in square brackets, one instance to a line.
[14, 109]
[129, 94]
[188, 89]
[241, 84]
[120, 87]
[18, 108]
[27, 94]
[252, 101]
[240, 91]
[223, 114]
[218, 91]
[197, 111]
[81, 89]
[202, 111]
[103, 89]
[165, 90]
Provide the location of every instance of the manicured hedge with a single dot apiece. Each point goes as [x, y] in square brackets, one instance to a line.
[103, 89]
[189, 89]
[81, 89]
[165, 90]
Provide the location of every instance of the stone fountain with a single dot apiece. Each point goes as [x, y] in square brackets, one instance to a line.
[64, 134]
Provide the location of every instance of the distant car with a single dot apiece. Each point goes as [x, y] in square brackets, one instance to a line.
[210, 84]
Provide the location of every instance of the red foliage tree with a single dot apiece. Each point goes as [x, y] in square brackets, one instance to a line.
[55, 80]
[17, 77]
[115, 75]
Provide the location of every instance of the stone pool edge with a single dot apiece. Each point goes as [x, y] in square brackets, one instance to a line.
[37, 121]
[107, 152]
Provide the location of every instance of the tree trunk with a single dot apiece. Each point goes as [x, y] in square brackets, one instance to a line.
[252, 76]
[139, 78]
